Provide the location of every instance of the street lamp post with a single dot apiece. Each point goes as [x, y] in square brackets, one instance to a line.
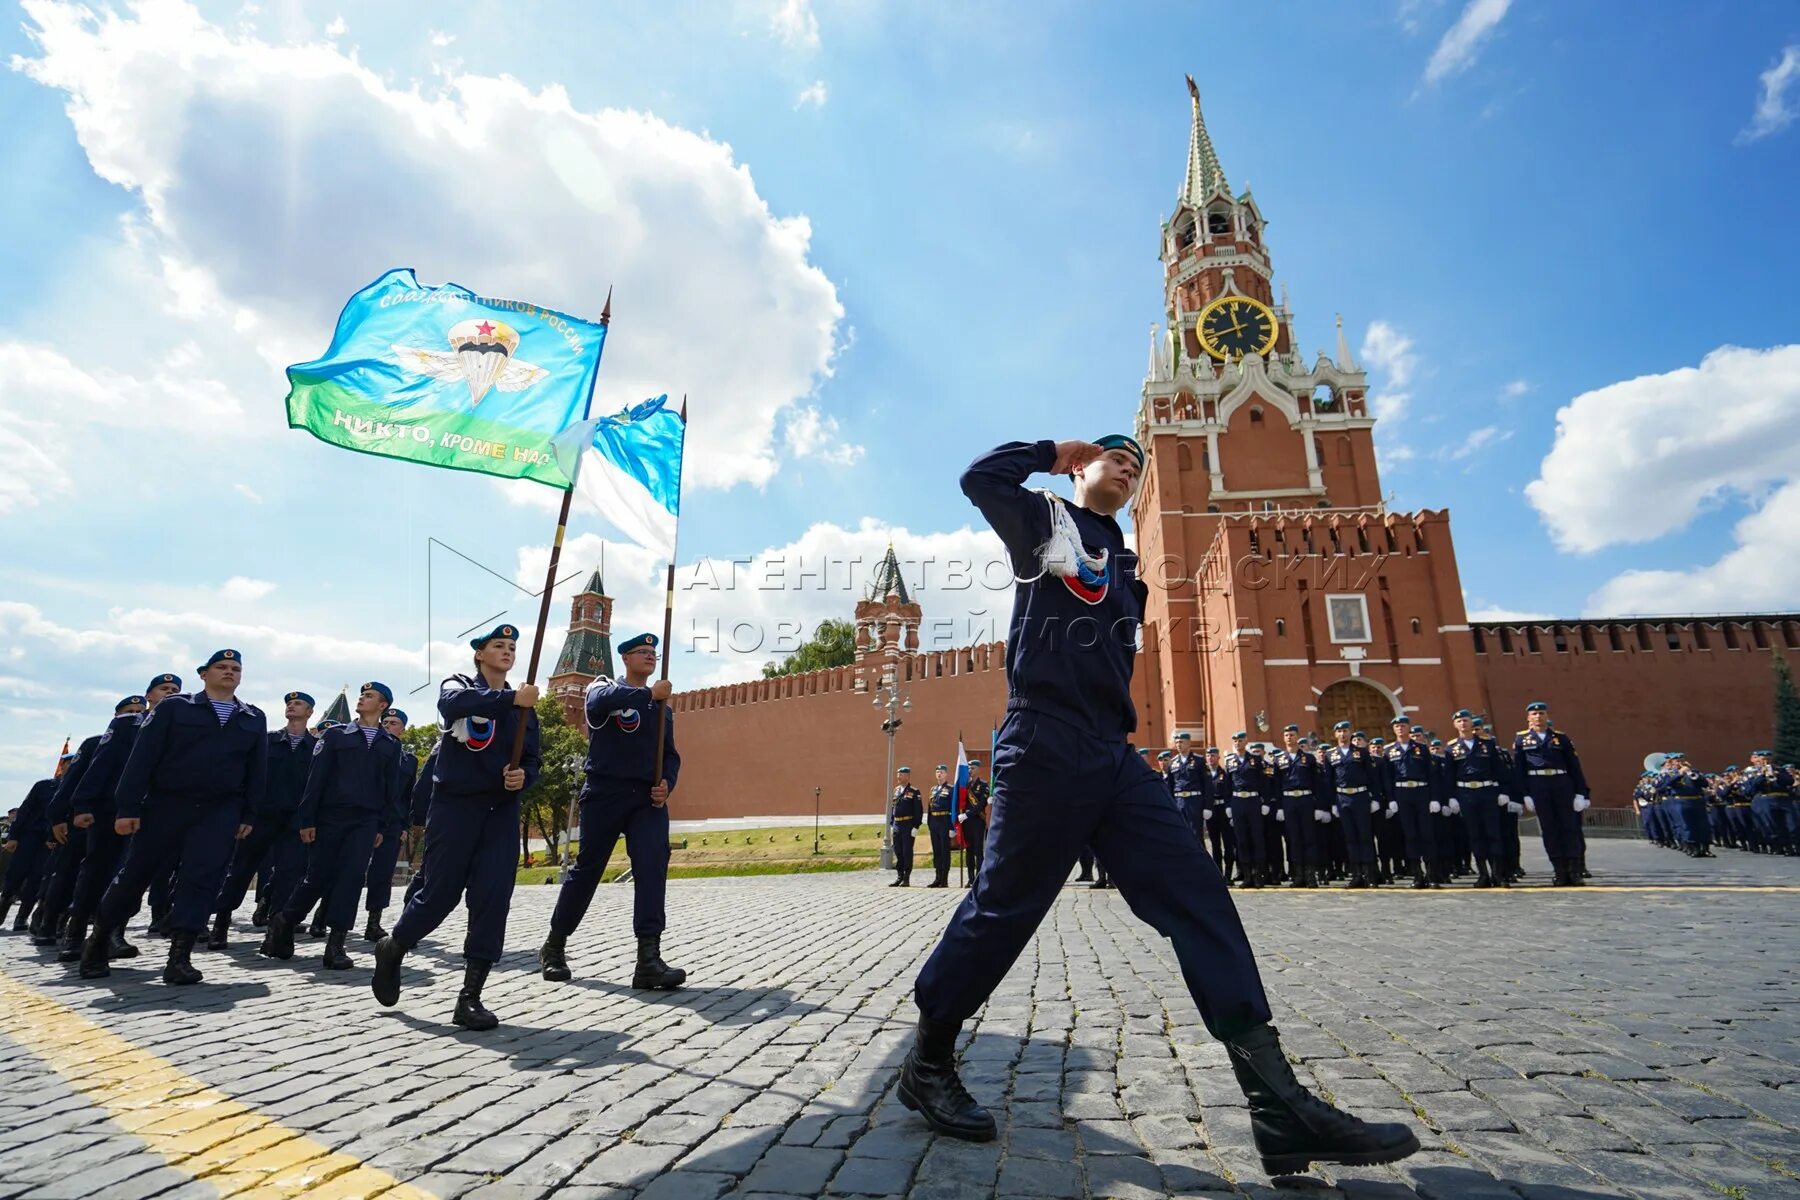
[890, 694]
[816, 792]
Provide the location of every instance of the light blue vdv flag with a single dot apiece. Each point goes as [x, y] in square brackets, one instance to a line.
[445, 377]
[628, 466]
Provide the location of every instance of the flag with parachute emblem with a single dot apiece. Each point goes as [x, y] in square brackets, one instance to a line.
[445, 377]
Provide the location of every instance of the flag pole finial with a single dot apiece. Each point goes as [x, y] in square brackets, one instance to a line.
[606, 309]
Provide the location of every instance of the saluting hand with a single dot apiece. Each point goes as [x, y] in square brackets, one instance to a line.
[308, 834]
[513, 778]
[1074, 455]
[659, 794]
[125, 826]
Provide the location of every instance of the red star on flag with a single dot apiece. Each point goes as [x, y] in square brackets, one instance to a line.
[485, 328]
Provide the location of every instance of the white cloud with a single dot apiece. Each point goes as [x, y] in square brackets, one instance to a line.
[242, 589]
[1773, 112]
[1515, 389]
[1635, 460]
[235, 149]
[1476, 439]
[813, 94]
[337, 27]
[247, 492]
[1761, 573]
[1411, 13]
[1495, 613]
[32, 473]
[1390, 352]
[440, 39]
[811, 434]
[1461, 43]
[794, 22]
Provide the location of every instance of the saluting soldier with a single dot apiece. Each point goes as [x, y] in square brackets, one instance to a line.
[1067, 776]
[472, 834]
[1249, 786]
[379, 885]
[1304, 790]
[273, 846]
[189, 791]
[621, 795]
[909, 810]
[354, 794]
[974, 820]
[1357, 786]
[1547, 772]
[940, 814]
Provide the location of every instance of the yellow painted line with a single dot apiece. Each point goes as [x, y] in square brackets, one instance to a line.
[196, 1128]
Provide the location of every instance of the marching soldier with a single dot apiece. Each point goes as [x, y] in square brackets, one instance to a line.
[1357, 786]
[472, 836]
[66, 850]
[909, 810]
[1547, 773]
[1249, 785]
[974, 820]
[1681, 788]
[1408, 777]
[189, 791]
[1771, 789]
[25, 839]
[273, 846]
[380, 883]
[621, 795]
[418, 819]
[1302, 784]
[1475, 778]
[939, 815]
[353, 796]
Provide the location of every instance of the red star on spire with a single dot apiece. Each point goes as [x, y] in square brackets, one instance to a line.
[485, 328]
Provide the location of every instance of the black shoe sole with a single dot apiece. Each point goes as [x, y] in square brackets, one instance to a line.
[1294, 1164]
[986, 1133]
[643, 985]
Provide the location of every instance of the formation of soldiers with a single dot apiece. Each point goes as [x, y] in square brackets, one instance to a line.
[186, 797]
[1372, 811]
[944, 822]
[1754, 809]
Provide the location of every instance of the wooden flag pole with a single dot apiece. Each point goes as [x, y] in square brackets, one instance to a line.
[562, 526]
[662, 723]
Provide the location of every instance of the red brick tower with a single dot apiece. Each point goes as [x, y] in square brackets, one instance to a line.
[587, 651]
[1281, 588]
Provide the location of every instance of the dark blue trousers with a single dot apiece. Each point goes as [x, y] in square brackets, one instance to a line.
[939, 828]
[200, 835]
[1554, 798]
[471, 846]
[380, 881]
[1417, 823]
[1776, 815]
[1359, 828]
[903, 851]
[1055, 789]
[1247, 825]
[273, 848]
[1304, 841]
[336, 862]
[1481, 814]
[62, 869]
[23, 872]
[607, 813]
[102, 851]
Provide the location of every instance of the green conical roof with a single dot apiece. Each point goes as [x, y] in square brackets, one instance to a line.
[339, 709]
[587, 652]
[1204, 173]
[888, 579]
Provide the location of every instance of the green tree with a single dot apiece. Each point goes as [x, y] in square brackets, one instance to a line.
[420, 739]
[1787, 712]
[833, 644]
[545, 804]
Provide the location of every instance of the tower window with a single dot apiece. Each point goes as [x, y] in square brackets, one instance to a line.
[1280, 627]
[1212, 508]
[1322, 398]
[1256, 414]
[1217, 223]
[1415, 625]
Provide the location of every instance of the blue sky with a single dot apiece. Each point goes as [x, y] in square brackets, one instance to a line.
[868, 240]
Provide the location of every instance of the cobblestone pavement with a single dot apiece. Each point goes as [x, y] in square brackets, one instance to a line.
[1643, 1042]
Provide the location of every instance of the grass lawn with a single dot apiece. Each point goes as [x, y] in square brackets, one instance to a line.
[778, 851]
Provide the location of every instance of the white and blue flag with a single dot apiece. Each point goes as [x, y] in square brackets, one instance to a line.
[628, 466]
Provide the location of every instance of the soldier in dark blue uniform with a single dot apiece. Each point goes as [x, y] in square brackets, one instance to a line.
[189, 790]
[472, 833]
[621, 795]
[1408, 777]
[973, 821]
[66, 850]
[1249, 788]
[25, 841]
[1356, 785]
[1221, 842]
[1547, 772]
[909, 810]
[1477, 780]
[940, 815]
[355, 793]
[1191, 785]
[418, 818]
[382, 863]
[1305, 795]
[1681, 788]
[1771, 792]
[273, 845]
[1066, 776]
[1390, 839]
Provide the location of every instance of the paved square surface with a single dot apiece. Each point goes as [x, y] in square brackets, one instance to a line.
[1638, 1040]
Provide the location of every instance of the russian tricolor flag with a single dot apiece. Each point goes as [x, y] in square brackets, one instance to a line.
[960, 799]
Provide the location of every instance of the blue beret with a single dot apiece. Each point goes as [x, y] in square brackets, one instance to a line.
[1677, 754]
[1184, 737]
[1763, 753]
[328, 724]
[1212, 749]
[1342, 725]
[1732, 767]
[1400, 719]
[942, 767]
[1239, 735]
[219, 656]
[1290, 728]
[1462, 712]
[498, 631]
[974, 762]
[638, 643]
[1437, 741]
[1361, 734]
[904, 771]
[1537, 706]
[380, 689]
[165, 677]
[1162, 754]
[1119, 441]
[1480, 724]
[127, 702]
[300, 696]
[393, 712]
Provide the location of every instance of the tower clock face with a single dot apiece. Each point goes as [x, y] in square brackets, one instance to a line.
[1233, 326]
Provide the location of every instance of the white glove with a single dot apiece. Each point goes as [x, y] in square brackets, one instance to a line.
[1517, 808]
[1280, 816]
[1434, 806]
[1374, 806]
[1393, 807]
[1581, 803]
[1505, 799]
[1206, 813]
[1321, 816]
[1530, 807]
[1455, 807]
[1265, 809]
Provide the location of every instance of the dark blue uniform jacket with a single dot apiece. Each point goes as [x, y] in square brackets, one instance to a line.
[184, 753]
[621, 723]
[352, 776]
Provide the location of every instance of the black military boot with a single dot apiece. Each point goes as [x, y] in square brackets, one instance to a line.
[896, 883]
[117, 946]
[1572, 873]
[93, 952]
[1484, 879]
[386, 981]
[652, 973]
[373, 932]
[469, 1011]
[317, 928]
[930, 1086]
[159, 925]
[1357, 882]
[278, 938]
[1292, 1127]
[43, 929]
[552, 960]
[1581, 871]
[69, 946]
[1419, 882]
[335, 959]
[219, 937]
[259, 916]
[179, 970]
